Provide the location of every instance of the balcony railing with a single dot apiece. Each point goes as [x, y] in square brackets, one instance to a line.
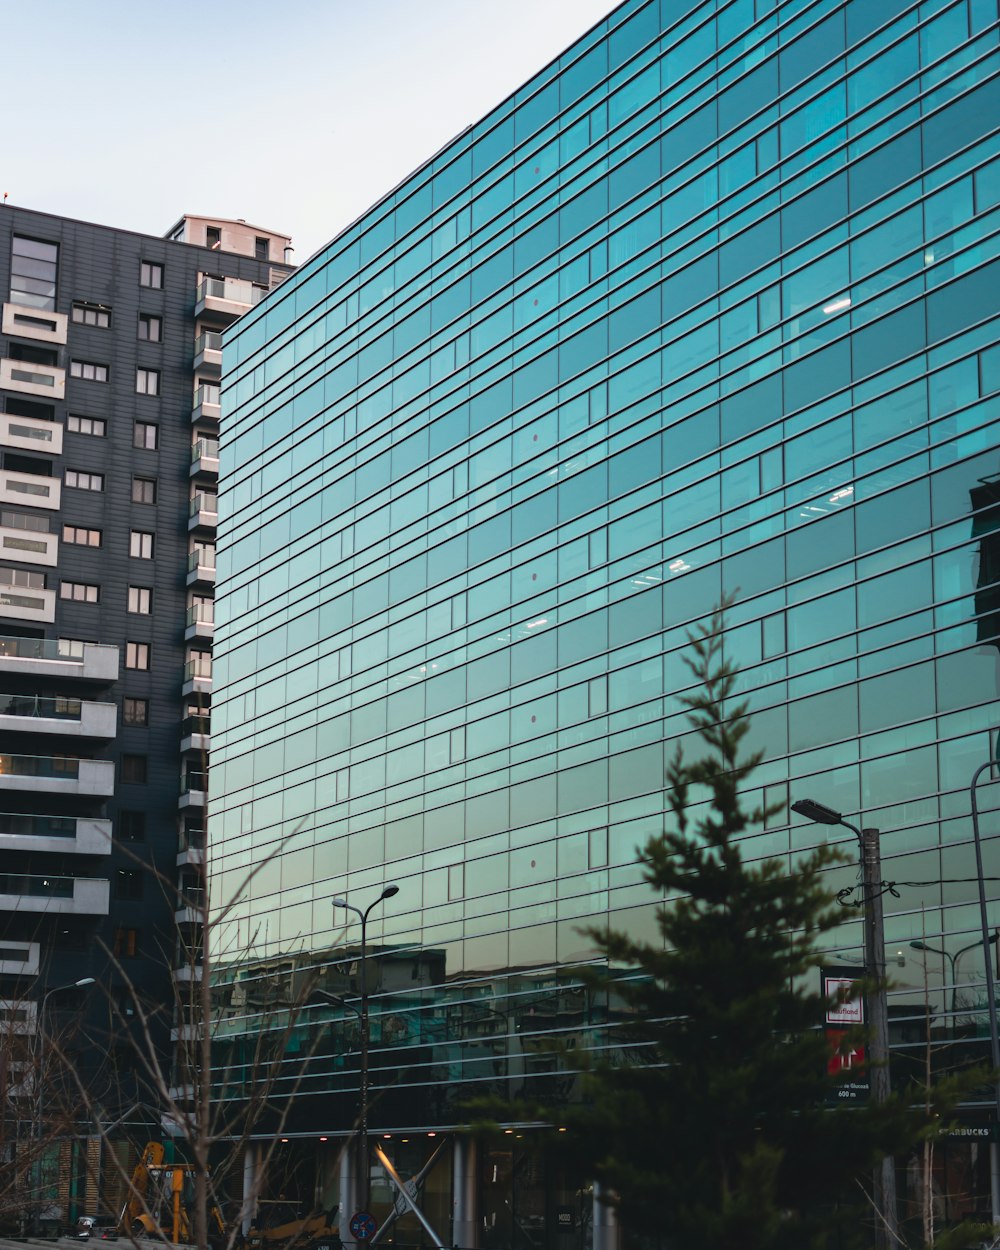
[64, 767]
[35, 649]
[209, 341]
[207, 394]
[50, 708]
[205, 449]
[234, 290]
[200, 502]
[201, 560]
[200, 614]
[36, 887]
[202, 667]
[21, 824]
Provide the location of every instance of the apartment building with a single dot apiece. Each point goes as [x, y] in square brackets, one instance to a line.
[110, 361]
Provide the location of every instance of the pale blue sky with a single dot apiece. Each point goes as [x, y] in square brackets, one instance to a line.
[296, 115]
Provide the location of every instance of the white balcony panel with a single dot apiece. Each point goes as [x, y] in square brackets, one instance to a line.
[191, 800]
[29, 546]
[23, 603]
[91, 837]
[19, 959]
[26, 378]
[89, 898]
[96, 720]
[21, 322]
[29, 489]
[31, 434]
[39, 657]
[95, 777]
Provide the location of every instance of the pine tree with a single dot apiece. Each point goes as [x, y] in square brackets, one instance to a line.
[719, 1131]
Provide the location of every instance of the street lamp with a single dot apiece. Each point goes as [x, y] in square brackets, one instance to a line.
[878, 1008]
[390, 891]
[991, 997]
[40, 1095]
[953, 960]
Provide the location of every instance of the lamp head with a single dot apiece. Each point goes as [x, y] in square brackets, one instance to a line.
[920, 946]
[390, 891]
[339, 902]
[817, 813]
[84, 981]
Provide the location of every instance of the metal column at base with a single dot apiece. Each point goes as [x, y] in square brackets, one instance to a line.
[349, 1191]
[251, 1170]
[465, 1192]
[607, 1230]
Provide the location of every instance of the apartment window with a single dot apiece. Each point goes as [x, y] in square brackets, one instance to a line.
[81, 537]
[128, 884]
[147, 381]
[137, 656]
[32, 354]
[213, 237]
[140, 600]
[140, 545]
[261, 248]
[95, 426]
[81, 592]
[33, 268]
[71, 648]
[144, 490]
[135, 711]
[135, 769]
[88, 371]
[84, 481]
[150, 328]
[151, 275]
[145, 434]
[126, 945]
[92, 315]
[131, 826]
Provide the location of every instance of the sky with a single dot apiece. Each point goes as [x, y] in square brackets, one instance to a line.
[295, 115]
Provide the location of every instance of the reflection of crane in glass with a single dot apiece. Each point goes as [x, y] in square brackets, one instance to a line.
[985, 500]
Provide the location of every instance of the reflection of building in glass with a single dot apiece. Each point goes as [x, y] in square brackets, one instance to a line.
[985, 502]
[705, 305]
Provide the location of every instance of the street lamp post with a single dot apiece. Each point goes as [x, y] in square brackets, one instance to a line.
[953, 960]
[40, 1093]
[389, 892]
[876, 1000]
[991, 997]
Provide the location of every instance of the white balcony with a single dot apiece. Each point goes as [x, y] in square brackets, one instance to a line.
[41, 657]
[19, 959]
[208, 353]
[24, 603]
[205, 457]
[47, 774]
[22, 322]
[200, 574]
[193, 856]
[57, 835]
[77, 896]
[204, 511]
[29, 489]
[31, 434]
[45, 381]
[29, 546]
[73, 718]
[222, 300]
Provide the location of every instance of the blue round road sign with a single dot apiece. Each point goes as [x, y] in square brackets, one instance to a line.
[362, 1225]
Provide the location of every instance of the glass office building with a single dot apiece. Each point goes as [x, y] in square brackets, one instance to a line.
[708, 305]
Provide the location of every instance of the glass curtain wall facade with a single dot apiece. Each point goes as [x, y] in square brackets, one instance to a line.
[707, 306]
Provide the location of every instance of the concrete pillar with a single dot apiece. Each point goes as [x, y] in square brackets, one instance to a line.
[350, 1190]
[251, 1171]
[465, 1194]
[607, 1232]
